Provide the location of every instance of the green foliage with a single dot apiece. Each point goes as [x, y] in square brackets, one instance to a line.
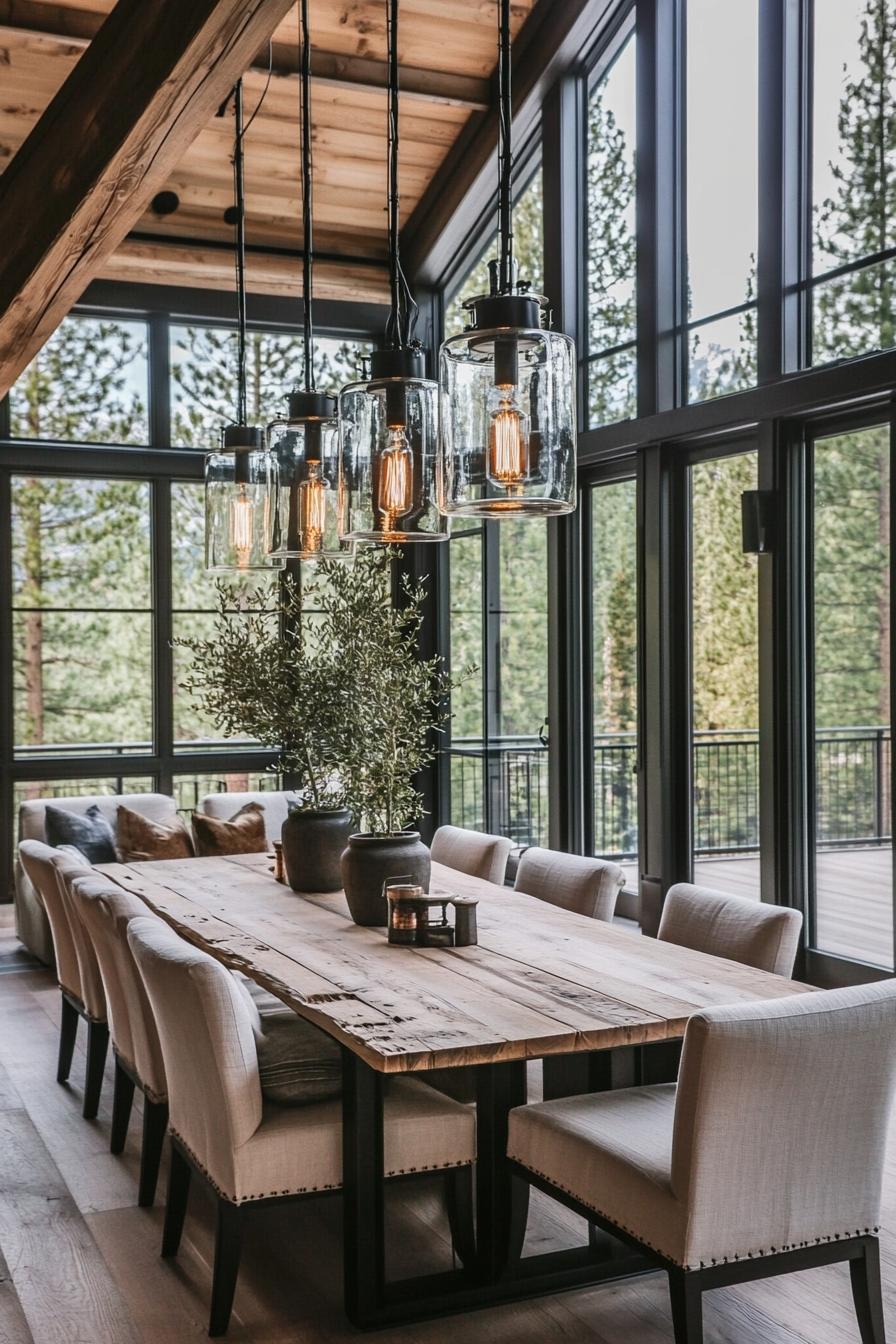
[204, 377]
[276, 679]
[333, 682]
[856, 313]
[393, 703]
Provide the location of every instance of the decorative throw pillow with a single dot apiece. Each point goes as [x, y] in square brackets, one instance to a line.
[297, 1063]
[244, 833]
[141, 840]
[91, 833]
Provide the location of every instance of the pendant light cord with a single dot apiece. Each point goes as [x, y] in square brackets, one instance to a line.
[505, 180]
[307, 199]
[240, 198]
[403, 312]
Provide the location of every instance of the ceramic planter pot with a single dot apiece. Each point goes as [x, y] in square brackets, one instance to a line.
[313, 841]
[371, 860]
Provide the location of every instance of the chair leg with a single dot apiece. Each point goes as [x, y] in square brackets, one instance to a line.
[155, 1125]
[866, 1293]
[68, 1030]
[461, 1220]
[176, 1207]
[97, 1046]
[122, 1101]
[687, 1306]
[228, 1243]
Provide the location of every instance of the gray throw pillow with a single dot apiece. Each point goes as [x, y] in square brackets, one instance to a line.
[298, 1064]
[91, 833]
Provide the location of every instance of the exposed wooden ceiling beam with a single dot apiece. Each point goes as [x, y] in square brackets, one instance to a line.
[153, 75]
[551, 40]
[140, 260]
[79, 26]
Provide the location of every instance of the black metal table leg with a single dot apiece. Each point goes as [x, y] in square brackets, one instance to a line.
[362, 1190]
[502, 1200]
[592, 1071]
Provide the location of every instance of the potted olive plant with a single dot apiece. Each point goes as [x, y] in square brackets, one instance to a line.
[271, 675]
[395, 703]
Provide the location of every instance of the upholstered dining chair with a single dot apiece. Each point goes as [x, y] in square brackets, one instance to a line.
[711, 1179]
[472, 852]
[274, 802]
[585, 886]
[249, 1151]
[48, 870]
[756, 934]
[106, 912]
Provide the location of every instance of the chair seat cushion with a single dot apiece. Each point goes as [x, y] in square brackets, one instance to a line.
[612, 1151]
[298, 1150]
[140, 839]
[243, 833]
[91, 833]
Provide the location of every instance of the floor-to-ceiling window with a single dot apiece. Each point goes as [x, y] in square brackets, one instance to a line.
[105, 532]
[498, 603]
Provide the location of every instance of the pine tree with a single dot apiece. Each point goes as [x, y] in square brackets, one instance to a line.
[855, 313]
[611, 264]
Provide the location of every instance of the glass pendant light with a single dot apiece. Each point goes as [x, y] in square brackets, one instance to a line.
[507, 383]
[237, 476]
[306, 504]
[389, 423]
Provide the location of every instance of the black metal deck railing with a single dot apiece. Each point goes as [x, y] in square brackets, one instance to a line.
[852, 772]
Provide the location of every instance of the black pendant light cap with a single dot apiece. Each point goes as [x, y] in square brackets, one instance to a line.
[242, 439]
[312, 406]
[506, 310]
[407, 361]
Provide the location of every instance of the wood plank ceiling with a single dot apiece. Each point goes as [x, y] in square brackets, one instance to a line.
[447, 52]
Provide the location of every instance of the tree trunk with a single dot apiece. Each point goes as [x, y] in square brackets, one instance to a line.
[29, 510]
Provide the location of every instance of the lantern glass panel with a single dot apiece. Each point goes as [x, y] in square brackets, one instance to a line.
[306, 508]
[237, 511]
[389, 432]
[508, 423]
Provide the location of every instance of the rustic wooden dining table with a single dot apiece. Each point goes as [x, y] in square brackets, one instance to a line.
[542, 983]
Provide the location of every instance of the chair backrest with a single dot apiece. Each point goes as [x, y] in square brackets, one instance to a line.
[275, 803]
[764, 936]
[208, 1045]
[586, 886]
[44, 867]
[781, 1120]
[106, 911]
[32, 825]
[472, 852]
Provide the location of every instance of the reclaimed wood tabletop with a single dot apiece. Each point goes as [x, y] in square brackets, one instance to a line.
[541, 981]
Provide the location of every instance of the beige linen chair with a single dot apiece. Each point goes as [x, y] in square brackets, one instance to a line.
[274, 802]
[48, 871]
[105, 912]
[32, 928]
[585, 886]
[764, 936]
[246, 1150]
[472, 852]
[712, 1179]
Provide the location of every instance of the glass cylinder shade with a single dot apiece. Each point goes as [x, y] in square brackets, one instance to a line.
[306, 501]
[237, 488]
[508, 423]
[389, 445]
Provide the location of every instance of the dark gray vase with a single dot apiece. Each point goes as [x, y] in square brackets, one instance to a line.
[313, 841]
[371, 860]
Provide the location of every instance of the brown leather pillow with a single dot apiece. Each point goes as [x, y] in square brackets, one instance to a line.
[244, 833]
[140, 840]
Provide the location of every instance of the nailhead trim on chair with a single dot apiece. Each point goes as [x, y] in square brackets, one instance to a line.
[158, 1098]
[703, 1264]
[299, 1189]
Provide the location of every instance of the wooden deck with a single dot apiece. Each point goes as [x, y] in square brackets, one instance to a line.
[855, 898]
